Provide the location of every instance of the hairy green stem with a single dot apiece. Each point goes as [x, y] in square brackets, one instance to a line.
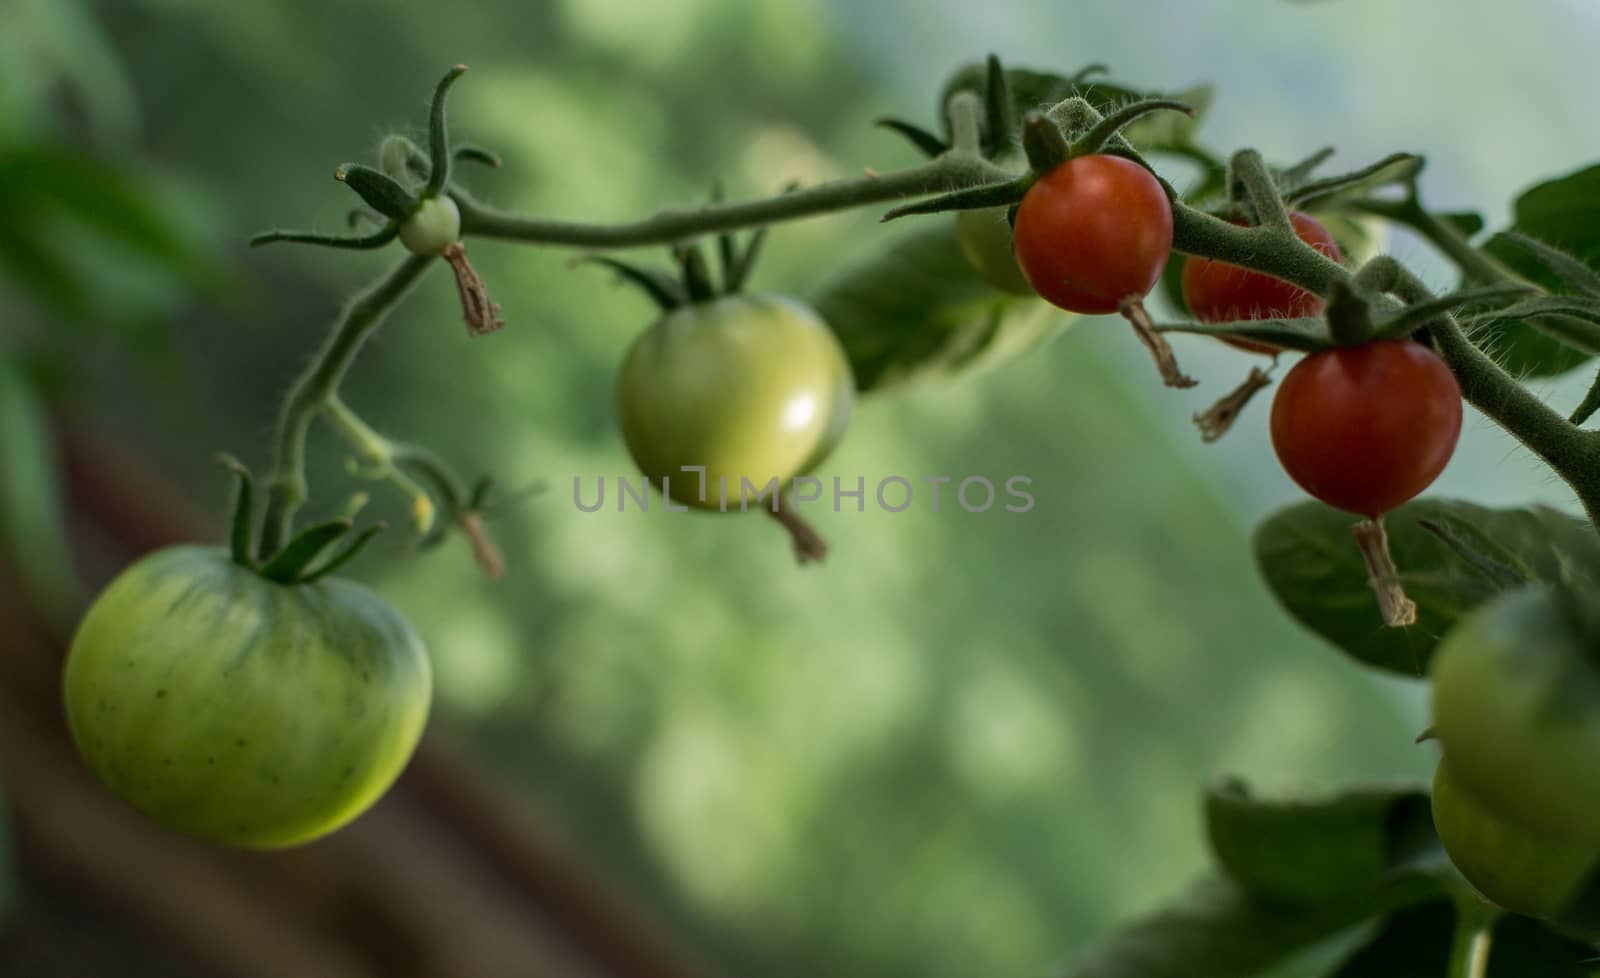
[1251, 170]
[286, 488]
[1474, 935]
[953, 171]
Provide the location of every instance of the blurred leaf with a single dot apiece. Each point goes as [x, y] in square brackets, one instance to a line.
[1416, 942]
[1468, 223]
[916, 309]
[1217, 930]
[1309, 559]
[1563, 214]
[33, 534]
[61, 207]
[1323, 848]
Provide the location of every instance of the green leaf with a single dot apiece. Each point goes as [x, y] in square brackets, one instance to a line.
[915, 309]
[33, 525]
[1310, 561]
[1321, 849]
[1563, 214]
[1416, 942]
[1218, 930]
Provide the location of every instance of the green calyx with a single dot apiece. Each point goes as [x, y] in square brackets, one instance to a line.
[693, 282]
[294, 563]
[402, 184]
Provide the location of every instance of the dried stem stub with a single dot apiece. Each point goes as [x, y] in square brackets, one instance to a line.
[1132, 309]
[1398, 609]
[481, 313]
[1215, 421]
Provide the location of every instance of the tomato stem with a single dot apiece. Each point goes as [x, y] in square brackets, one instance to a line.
[1249, 170]
[286, 488]
[809, 546]
[1133, 310]
[1399, 611]
[1474, 935]
[1216, 420]
[952, 171]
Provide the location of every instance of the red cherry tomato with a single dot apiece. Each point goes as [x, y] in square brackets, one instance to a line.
[1094, 231]
[1217, 292]
[1365, 428]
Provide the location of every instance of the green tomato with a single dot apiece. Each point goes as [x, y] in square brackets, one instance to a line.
[1522, 869]
[242, 711]
[434, 226]
[985, 237]
[1516, 705]
[752, 388]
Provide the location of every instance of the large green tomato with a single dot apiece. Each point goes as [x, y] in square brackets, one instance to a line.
[1516, 703]
[752, 388]
[232, 708]
[985, 237]
[1523, 870]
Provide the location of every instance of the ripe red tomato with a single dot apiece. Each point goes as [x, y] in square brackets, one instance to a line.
[1217, 292]
[1365, 428]
[1094, 231]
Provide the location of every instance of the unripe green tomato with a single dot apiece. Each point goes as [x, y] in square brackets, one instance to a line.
[434, 226]
[750, 387]
[1516, 706]
[1517, 867]
[232, 708]
[985, 237]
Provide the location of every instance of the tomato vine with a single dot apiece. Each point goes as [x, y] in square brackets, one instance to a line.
[1365, 422]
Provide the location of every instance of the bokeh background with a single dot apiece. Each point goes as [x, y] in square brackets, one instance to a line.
[969, 743]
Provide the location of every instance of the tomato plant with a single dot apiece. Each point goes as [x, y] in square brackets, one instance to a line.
[1216, 291]
[239, 709]
[1092, 232]
[1367, 428]
[1516, 704]
[752, 388]
[728, 394]
[1517, 866]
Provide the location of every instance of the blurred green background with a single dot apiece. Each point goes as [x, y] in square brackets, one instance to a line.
[968, 743]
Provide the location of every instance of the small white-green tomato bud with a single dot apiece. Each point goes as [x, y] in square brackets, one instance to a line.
[435, 226]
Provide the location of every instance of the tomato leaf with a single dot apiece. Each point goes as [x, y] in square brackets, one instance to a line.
[1312, 565]
[1416, 941]
[1216, 929]
[916, 309]
[1564, 215]
[1325, 848]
